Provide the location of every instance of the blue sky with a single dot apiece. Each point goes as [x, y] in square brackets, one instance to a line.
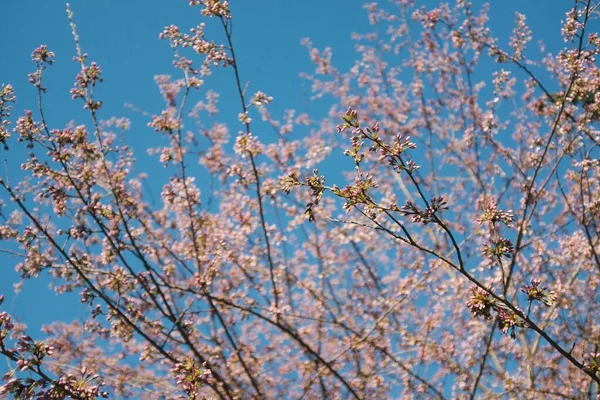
[122, 36]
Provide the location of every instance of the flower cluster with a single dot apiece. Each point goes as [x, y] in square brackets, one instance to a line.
[29, 355]
[260, 99]
[509, 320]
[591, 362]
[572, 24]
[85, 80]
[165, 123]
[247, 144]
[244, 118]
[69, 136]
[7, 95]
[317, 184]
[36, 351]
[27, 128]
[191, 377]
[197, 41]
[428, 18]
[503, 247]
[288, 182]
[42, 55]
[482, 303]
[350, 120]
[493, 214]
[521, 36]
[67, 386]
[539, 293]
[357, 193]
[213, 8]
[392, 152]
[399, 146]
[428, 215]
[168, 88]
[6, 324]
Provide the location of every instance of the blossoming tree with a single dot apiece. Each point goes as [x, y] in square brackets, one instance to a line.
[458, 256]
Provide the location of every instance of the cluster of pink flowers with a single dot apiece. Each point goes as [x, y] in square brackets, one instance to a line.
[493, 214]
[481, 303]
[213, 8]
[7, 95]
[192, 377]
[30, 355]
[539, 293]
[214, 53]
[84, 82]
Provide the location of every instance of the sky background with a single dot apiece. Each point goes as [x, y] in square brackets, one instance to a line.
[122, 36]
